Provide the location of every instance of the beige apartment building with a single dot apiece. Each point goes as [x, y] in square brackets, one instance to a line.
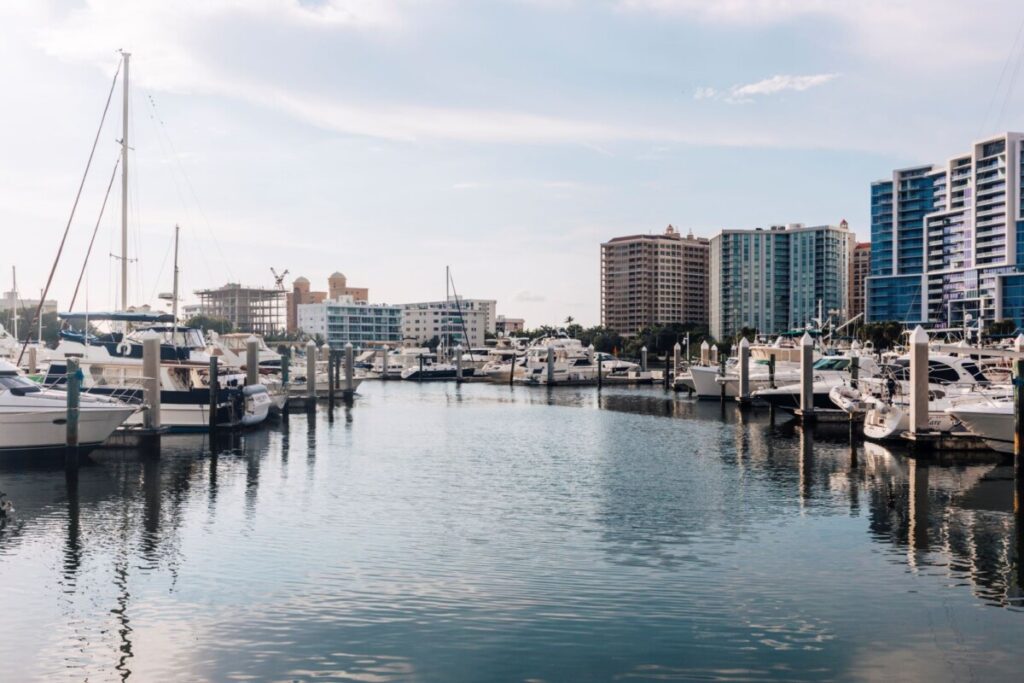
[860, 268]
[654, 280]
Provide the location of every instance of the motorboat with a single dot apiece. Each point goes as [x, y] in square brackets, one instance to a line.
[177, 342]
[35, 418]
[990, 419]
[184, 392]
[708, 380]
[952, 380]
[232, 348]
[828, 373]
[431, 370]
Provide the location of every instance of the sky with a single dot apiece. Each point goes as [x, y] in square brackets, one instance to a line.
[504, 138]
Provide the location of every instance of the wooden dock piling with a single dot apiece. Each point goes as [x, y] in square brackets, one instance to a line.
[74, 386]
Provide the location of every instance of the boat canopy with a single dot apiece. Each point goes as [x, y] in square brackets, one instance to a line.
[120, 316]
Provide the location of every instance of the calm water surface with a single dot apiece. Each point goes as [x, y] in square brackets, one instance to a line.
[481, 533]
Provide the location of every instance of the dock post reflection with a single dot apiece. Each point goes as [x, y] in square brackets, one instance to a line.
[73, 546]
[917, 502]
[806, 461]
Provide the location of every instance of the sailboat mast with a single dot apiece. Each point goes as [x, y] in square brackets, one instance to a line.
[174, 303]
[447, 311]
[124, 188]
[14, 301]
[40, 339]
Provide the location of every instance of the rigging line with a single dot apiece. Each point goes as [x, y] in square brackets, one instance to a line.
[462, 318]
[1011, 85]
[74, 207]
[167, 149]
[160, 273]
[999, 83]
[192, 189]
[99, 219]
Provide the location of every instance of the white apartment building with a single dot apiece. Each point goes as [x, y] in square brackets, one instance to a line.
[465, 322]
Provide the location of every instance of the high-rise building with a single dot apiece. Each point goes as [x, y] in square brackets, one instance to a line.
[860, 268]
[778, 279]
[654, 280]
[345, 320]
[948, 239]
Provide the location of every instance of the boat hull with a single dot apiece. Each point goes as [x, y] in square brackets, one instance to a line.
[47, 429]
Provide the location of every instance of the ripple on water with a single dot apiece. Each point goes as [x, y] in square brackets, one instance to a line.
[482, 533]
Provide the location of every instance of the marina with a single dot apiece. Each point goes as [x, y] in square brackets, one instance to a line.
[725, 381]
[431, 531]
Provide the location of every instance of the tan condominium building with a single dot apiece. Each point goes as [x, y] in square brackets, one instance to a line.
[860, 268]
[654, 280]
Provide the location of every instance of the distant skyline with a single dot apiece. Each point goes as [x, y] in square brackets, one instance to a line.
[507, 139]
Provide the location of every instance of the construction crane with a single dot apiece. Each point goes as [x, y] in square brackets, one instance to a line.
[279, 279]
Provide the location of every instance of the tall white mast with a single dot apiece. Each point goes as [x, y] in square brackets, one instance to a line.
[14, 301]
[174, 302]
[124, 188]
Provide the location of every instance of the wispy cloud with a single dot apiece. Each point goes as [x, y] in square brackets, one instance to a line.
[527, 296]
[740, 94]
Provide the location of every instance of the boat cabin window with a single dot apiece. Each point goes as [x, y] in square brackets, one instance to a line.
[974, 371]
[941, 373]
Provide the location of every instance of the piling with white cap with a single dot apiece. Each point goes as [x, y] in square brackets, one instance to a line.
[643, 359]
[713, 355]
[311, 371]
[705, 353]
[806, 376]
[918, 381]
[151, 379]
[676, 350]
[744, 393]
[458, 363]
[252, 360]
[74, 383]
[551, 365]
[350, 367]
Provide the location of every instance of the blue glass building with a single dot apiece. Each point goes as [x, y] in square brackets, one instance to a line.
[947, 240]
[778, 279]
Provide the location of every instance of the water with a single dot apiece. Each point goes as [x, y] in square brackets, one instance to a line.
[481, 533]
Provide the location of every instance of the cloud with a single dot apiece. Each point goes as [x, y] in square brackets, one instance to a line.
[526, 296]
[468, 185]
[916, 33]
[740, 94]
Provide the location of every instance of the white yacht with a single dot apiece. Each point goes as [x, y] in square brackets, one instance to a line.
[828, 373]
[990, 418]
[573, 362]
[35, 418]
[951, 380]
[231, 349]
[184, 392]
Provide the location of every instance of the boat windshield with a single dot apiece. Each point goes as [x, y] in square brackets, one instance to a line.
[832, 364]
[18, 383]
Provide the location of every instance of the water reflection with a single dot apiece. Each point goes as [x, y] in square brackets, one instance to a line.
[464, 533]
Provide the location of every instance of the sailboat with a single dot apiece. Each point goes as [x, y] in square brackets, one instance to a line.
[112, 362]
